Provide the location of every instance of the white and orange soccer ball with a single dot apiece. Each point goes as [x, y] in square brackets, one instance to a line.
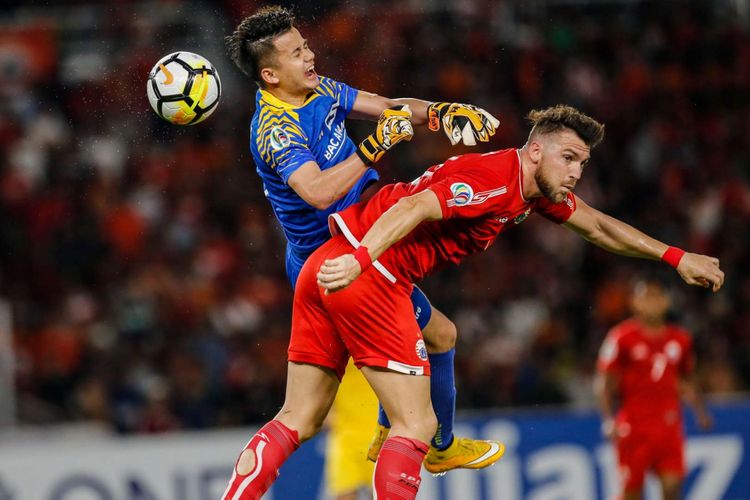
[183, 88]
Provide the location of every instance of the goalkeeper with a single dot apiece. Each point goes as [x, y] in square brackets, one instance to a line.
[310, 168]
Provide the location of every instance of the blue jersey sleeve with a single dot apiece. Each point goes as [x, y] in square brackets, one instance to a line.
[283, 146]
[343, 93]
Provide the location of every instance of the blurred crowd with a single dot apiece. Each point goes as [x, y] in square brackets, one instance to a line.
[145, 271]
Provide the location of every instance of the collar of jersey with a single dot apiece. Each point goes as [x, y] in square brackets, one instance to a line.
[275, 101]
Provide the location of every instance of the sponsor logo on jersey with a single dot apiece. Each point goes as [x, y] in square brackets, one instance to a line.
[336, 141]
[520, 218]
[421, 350]
[279, 139]
[462, 193]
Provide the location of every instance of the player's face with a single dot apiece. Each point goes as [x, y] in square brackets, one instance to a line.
[563, 157]
[650, 301]
[294, 65]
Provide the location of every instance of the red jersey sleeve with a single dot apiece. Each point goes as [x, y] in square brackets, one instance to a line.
[469, 187]
[610, 358]
[557, 212]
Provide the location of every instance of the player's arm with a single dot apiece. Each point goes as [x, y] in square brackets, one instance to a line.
[460, 122]
[618, 237]
[369, 106]
[693, 397]
[390, 227]
[605, 389]
[321, 188]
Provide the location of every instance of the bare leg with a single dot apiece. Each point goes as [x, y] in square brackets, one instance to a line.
[310, 392]
[671, 486]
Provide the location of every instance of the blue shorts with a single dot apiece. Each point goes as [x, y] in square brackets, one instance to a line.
[422, 307]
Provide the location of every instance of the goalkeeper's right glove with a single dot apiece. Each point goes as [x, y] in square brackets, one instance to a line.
[394, 126]
[461, 122]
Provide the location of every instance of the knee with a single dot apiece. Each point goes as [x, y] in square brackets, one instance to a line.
[440, 334]
[307, 426]
[422, 428]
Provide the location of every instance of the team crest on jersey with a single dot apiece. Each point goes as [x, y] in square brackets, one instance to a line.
[421, 350]
[279, 139]
[520, 218]
[462, 193]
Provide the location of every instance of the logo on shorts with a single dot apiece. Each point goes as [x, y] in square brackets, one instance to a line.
[279, 139]
[421, 350]
[462, 193]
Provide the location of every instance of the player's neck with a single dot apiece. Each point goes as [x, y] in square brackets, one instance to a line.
[652, 327]
[296, 99]
[529, 187]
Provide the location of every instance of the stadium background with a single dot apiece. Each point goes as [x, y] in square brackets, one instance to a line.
[141, 271]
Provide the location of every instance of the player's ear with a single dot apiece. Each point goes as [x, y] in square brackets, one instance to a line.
[269, 76]
[535, 150]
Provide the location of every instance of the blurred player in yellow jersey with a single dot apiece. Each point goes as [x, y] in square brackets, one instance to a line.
[354, 413]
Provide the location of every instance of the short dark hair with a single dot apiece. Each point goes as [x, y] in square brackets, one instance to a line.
[547, 121]
[251, 45]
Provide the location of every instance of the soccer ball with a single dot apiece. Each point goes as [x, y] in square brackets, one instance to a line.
[183, 88]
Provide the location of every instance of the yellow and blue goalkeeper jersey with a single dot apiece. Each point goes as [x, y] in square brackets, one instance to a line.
[283, 138]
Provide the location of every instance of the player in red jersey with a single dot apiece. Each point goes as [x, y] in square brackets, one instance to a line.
[400, 235]
[644, 362]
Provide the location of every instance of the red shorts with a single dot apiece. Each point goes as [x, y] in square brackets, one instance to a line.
[644, 448]
[372, 320]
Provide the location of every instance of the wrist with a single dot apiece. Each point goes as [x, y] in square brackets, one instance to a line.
[433, 115]
[369, 151]
[362, 254]
[673, 256]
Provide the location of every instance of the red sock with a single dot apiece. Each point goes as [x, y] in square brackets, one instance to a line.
[397, 471]
[272, 445]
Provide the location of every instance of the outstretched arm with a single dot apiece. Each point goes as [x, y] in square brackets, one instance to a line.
[390, 227]
[369, 106]
[618, 237]
[463, 123]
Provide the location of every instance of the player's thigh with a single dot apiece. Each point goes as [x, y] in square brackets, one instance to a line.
[374, 319]
[406, 400]
[670, 461]
[633, 457]
[310, 391]
[439, 332]
[671, 485]
[314, 339]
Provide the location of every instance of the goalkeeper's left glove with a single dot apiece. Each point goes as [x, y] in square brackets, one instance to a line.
[393, 127]
[461, 122]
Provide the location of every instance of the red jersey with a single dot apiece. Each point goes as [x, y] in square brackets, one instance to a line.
[481, 196]
[649, 368]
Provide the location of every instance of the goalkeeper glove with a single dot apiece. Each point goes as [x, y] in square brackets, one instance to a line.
[462, 122]
[394, 126]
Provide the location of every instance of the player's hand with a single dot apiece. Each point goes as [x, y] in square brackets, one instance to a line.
[701, 270]
[394, 126]
[337, 274]
[609, 428]
[704, 420]
[462, 122]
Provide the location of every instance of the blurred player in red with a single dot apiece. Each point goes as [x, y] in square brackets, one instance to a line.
[403, 233]
[645, 362]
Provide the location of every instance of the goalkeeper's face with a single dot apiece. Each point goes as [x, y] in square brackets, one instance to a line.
[563, 157]
[294, 64]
